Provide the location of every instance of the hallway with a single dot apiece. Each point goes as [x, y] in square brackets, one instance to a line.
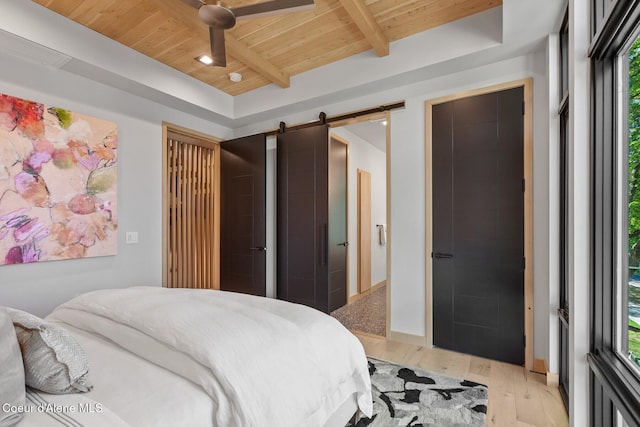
[367, 314]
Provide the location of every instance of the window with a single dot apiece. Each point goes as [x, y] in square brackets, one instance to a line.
[563, 112]
[615, 103]
[630, 344]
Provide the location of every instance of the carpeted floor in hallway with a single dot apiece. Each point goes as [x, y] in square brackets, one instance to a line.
[368, 314]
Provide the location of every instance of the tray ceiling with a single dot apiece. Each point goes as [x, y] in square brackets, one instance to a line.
[264, 50]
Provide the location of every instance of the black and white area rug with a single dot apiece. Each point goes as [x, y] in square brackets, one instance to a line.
[413, 397]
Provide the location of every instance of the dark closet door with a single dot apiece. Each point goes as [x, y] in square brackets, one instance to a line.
[337, 224]
[478, 225]
[303, 217]
[242, 219]
[302, 186]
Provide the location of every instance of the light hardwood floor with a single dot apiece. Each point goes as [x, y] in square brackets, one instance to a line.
[516, 397]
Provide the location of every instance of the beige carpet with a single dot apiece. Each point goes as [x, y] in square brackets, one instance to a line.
[368, 314]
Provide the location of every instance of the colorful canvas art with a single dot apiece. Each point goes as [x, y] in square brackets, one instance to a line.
[58, 181]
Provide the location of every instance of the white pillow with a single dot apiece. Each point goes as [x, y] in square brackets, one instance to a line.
[53, 360]
[12, 390]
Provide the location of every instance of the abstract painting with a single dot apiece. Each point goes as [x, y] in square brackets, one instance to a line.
[58, 182]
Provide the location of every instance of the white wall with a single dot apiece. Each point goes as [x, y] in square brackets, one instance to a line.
[579, 203]
[552, 301]
[40, 287]
[407, 177]
[363, 155]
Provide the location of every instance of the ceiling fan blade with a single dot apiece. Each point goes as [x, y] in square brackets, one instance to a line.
[194, 3]
[216, 35]
[217, 16]
[272, 7]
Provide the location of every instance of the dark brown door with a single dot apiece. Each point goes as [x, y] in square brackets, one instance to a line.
[311, 232]
[242, 220]
[478, 225]
[302, 157]
[337, 224]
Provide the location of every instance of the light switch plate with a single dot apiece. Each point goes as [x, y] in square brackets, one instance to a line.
[131, 237]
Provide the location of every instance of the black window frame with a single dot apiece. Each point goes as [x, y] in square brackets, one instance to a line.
[563, 114]
[614, 383]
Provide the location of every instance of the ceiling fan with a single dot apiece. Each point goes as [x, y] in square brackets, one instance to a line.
[220, 17]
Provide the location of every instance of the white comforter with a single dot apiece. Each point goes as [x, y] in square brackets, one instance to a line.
[264, 362]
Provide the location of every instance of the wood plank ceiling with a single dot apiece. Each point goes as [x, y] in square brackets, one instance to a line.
[264, 50]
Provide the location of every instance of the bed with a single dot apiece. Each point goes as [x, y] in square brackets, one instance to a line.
[172, 357]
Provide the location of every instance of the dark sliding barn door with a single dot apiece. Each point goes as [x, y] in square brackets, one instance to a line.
[242, 220]
[311, 224]
[478, 225]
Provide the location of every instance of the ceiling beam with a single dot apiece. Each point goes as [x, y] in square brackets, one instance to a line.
[233, 47]
[251, 59]
[368, 25]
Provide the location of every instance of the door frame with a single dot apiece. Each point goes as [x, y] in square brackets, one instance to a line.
[527, 84]
[166, 126]
[359, 212]
[345, 142]
[386, 115]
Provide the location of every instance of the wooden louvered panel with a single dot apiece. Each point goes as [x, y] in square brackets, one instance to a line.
[192, 238]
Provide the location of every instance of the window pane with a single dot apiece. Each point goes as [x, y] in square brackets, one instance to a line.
[563, 313]
[633, 290]
[620, 422]
[564, 250]
[600, 10]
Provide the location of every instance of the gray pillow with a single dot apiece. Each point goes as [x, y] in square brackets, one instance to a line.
[53, 360]
[12, 391]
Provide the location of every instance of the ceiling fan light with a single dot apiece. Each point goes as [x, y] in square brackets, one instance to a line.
[205, 59]
[235, 77]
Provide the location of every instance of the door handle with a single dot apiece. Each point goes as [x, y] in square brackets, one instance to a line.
[258, 248]
[343, 244]
[441, 255]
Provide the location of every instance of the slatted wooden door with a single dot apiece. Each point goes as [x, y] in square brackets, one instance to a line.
[192, 223]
